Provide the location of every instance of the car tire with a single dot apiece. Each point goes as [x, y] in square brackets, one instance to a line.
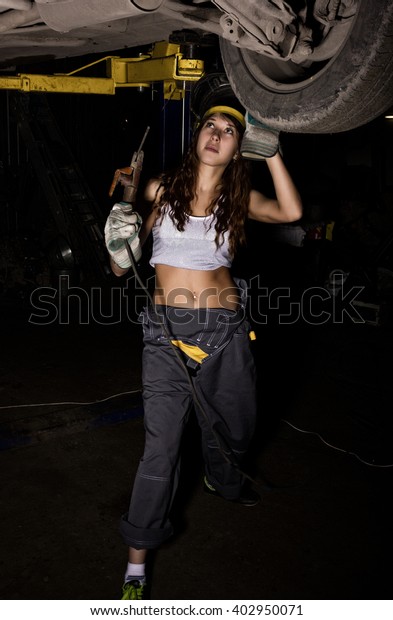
[351, 89]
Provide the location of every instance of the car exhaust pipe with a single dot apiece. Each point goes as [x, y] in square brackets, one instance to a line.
[63, 16]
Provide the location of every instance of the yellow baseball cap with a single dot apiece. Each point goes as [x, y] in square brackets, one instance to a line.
[213, 94]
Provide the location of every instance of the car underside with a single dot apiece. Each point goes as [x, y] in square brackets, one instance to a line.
[302, 65]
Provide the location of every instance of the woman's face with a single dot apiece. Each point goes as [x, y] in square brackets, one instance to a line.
[218, 141]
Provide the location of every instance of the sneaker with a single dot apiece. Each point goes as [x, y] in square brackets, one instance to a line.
[248, 497]
[134, 590]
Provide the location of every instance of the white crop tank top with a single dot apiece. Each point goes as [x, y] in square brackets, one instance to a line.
[192, 248]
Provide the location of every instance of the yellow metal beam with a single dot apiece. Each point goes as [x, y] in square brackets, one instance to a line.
[165, 64]
[30, 83]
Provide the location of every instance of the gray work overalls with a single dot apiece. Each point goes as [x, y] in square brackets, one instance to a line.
[224, 380]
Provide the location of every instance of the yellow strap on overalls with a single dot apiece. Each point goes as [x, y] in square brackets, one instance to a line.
[194, 352]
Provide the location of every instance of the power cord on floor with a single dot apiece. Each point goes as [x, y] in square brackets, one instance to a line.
[102, 400]
[300, 430]
[70, 402]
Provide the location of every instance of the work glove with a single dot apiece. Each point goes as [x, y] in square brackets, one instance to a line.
[259, 141]
[122, 228]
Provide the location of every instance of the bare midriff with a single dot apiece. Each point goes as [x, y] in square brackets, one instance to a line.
[189, 288]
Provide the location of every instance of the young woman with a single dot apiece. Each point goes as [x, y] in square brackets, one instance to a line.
[197, 220]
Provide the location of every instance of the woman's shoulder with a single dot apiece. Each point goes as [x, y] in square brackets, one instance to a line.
[154, 189]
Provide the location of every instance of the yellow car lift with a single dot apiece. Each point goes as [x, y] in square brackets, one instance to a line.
[164, 64]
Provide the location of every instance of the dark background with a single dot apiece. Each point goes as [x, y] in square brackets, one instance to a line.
[322, 454]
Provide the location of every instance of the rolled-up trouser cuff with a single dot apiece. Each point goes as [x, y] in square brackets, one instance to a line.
[140, 538]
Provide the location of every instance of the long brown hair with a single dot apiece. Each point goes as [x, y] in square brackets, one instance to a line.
[231, 206]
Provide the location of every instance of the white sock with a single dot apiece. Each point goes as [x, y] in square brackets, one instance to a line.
[135, 571]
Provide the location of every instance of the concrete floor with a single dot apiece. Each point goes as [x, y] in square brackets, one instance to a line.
[322, 531]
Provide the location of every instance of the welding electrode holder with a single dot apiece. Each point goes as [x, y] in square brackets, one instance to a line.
[130, 191]
[129, 178]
